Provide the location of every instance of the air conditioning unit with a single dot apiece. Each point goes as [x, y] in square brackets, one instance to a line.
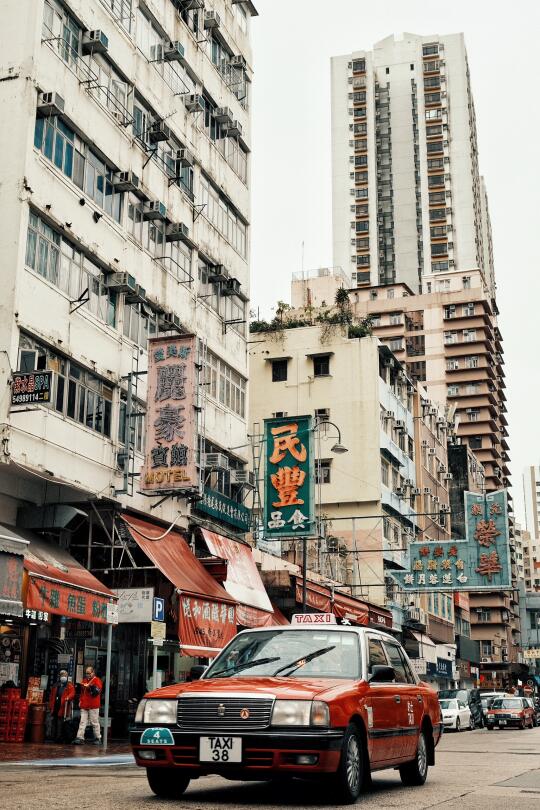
[223, 115]
[211, 19]
[50, 104]
[448, 476]
[426, 491]
[183, 158]
[217, 273]
[432, 451]
[216, 461]
[122, 282]
[94, 42]
[137, 296]
[169, 321]
[154, 209]
[246, 477]
[485, 660]
[194, 103]
[441, 468]
[178, 232]
[436, 499]
[432, 412]
[400, 492]
[400, 424]
[445, 507]
[174, 52]
[416, 491]
[233, 130]
[158, 131]
[239, 61]
[407, 482]
[413, 614]
[231, 287]
[125, 181]
[424, 443]
[441, 421]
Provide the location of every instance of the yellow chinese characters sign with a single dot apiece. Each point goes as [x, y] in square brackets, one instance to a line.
[288, 496]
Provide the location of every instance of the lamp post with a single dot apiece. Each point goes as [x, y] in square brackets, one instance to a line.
[338, 449]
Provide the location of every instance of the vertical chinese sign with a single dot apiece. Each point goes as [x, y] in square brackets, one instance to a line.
[171, 428]
[480, 562]
[289, 504]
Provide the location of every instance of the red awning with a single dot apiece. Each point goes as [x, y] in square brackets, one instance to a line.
[207, 614]
[243, 580]
[278, 618]
[320, 598]
[58, 584]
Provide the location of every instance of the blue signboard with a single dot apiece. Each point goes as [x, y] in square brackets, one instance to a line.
[158, 611]
[443, 668]
[480, 562]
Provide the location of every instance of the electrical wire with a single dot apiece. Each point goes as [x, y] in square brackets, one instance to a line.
[153, 539]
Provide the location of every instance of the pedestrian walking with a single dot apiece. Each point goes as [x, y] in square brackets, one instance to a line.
[89, 702]
[61, 705]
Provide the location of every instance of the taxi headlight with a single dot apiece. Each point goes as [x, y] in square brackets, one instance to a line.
[291, 713]
[160, 711]
[320, 713]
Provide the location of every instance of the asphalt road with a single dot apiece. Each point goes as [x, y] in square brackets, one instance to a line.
[499, 770]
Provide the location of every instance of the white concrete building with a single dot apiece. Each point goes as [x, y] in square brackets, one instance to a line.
[125, 213]
[408, 199]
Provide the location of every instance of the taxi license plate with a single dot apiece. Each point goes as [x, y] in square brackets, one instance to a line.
[502, 722]
[220, 749]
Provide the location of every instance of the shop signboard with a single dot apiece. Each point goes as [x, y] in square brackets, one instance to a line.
[11, 577]
[419, 665]
[289, 503]
[481, 562]
[171, 435]
[531, 653]
[134, 605]
[158, 630]
[64, 600]
[443, 668]
[206, 626]
[31, 387]
[112, 613]
[224, 509]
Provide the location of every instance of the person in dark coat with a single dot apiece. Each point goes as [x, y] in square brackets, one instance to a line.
[61, 704]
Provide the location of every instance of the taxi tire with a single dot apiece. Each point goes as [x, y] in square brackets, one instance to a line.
[415, 773]
[167, 784]
[350, 777]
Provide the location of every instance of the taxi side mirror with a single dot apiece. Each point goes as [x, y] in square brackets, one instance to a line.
[197, 671]
[380, 673]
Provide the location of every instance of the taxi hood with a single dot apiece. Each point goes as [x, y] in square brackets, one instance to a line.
[291, 688]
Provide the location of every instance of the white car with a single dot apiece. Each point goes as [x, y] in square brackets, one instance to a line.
[455, 714]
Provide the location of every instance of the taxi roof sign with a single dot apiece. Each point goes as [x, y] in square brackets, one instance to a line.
[313, 618]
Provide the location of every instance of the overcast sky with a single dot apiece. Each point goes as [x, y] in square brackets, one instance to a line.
[293, 41]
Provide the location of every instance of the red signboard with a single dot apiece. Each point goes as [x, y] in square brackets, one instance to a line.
[11, 571]
[380, 616]
[205, 626]
[65, 600]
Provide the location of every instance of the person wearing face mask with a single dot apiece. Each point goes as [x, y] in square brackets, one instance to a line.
[61, 704]
[89, 702]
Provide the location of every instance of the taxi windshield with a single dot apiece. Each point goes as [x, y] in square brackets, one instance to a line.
[289, 654]
[448, 704]
[507, 704]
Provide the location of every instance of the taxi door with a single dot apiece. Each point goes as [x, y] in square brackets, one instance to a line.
[384, 709]
[411, 701]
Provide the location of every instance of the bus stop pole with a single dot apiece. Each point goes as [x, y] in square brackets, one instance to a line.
[107, 687]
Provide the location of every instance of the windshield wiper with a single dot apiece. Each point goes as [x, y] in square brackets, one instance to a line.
[247, 665]
[304, 660]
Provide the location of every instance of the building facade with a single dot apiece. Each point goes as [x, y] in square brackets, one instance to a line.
[408, 199]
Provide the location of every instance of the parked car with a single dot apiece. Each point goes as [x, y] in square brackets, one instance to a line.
[312, 699]
[509, 712]
[472, 698]
[455, 714]
[535, 706]
[487, 699]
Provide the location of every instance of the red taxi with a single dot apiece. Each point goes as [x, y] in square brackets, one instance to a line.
[505, 712]
[310, 699]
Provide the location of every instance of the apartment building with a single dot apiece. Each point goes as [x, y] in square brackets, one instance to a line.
[408, 199]
[531, 497]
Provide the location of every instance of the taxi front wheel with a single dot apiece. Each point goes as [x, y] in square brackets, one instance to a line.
[351, 775]
[415, 772]
[167, 784]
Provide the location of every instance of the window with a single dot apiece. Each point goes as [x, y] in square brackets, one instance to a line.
[469, 335]
[395, 344]
[360, 160]
[468, 309]
[429, 50]
[453, 390]
[483, 615]
[221, 214]
[385, 473]
[225, 385]
[360, 177]
[360, 129]
[437, 214]
[396, 318]
[466, 282]
[486, 648]
[361, 193]
[434, 114]
[475, 442]
[433, 129]
[362, 226]
[435, 163]
[322, 470]
[62, 30]
[436, 197]
[376, 653]
[434, 147]
[140, 323]
[432, 81]
[435, 180]
[321, 366]
[279, 370]
[359, 66]
[430, 67]
[78, 394]
[450, 337]
[362, 244]
[472, 361]
[59, 261]
[450, 311]
[398, 663]
[437, 231]
[432, 98]
[362, 261]
[136, 424]
[360, 145]
[473, 414]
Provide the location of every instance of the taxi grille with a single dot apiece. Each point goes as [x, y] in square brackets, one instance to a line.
[224, 713]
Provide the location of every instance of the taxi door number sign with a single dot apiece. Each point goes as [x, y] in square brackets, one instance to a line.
[157, 736]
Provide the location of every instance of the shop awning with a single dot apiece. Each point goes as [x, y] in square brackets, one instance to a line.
[207, 613]
[278, 618]
[58, 584]
[12, 548]
[380, 617]
[320, 598]
[243, 581]
[427, 649]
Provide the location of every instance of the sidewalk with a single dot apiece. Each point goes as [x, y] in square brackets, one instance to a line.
[51, 755]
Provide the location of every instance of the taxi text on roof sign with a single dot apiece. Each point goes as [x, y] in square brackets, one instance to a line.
[289, 502]
[480, 562]
[313, 618]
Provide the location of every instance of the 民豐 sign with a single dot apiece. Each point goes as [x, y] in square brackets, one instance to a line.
[224, 509]
[31, 386]
[480, 562]
[289, 477]
[170, 453]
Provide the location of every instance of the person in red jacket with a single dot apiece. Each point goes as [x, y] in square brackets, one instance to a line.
[89, 702]
[61, 704]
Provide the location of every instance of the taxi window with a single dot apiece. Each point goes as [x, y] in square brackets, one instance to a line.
[376, 653]
[397, 662]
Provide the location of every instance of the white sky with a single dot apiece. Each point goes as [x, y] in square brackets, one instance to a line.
[293, 41]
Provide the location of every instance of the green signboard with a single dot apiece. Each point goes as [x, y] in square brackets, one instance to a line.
[224, 509]
[481, 562]
[289, 503]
